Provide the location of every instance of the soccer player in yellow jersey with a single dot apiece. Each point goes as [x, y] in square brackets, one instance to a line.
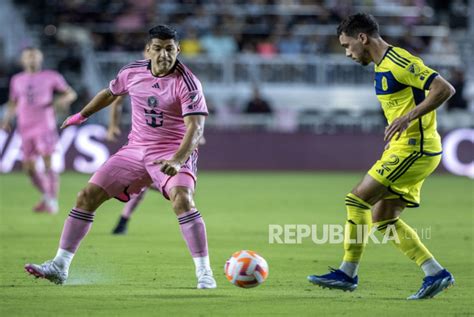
[409, 93]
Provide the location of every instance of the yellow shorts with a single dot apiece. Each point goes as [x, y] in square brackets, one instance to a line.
[403, 170]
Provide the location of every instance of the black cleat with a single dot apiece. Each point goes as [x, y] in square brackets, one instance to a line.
[121, 227]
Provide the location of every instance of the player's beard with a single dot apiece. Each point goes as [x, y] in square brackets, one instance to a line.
[32, 68]
[165, 66]
[365, 59]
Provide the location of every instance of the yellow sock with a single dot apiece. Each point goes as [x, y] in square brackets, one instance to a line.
[359, 221]
[408, 241]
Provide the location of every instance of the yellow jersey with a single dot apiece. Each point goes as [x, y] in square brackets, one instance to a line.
[401, 83]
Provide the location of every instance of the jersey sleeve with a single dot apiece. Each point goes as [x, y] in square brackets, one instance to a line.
[192, 97]
[60, 83]
[119, 86]
[415, 73]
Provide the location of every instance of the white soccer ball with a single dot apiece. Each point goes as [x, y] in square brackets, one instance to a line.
[246, 269]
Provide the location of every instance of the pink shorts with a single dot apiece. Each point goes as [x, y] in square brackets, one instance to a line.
[41, 144]
[130, 169]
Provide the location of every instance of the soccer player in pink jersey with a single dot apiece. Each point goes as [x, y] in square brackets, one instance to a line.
[113, 131]
[168, 114]
[32, 101]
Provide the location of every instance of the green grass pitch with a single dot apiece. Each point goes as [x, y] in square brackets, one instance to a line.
[149, 271]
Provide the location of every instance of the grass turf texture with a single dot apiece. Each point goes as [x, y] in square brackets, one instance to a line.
[149, 271]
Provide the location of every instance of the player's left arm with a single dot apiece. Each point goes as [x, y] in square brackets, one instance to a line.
[65, 98]
[66, 95]
[191, 140]
[419, 76]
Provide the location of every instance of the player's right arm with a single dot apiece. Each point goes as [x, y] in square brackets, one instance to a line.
[9, 115]
[103, 99]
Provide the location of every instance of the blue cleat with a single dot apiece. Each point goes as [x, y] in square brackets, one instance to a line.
[432, 285]
[335, 279]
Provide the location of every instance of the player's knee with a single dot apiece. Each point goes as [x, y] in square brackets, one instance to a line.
[182, 202]
[388, 209]
[90, 197]
[365, 195]
[356, 192]
[354, 196]
[47, 162]
[369, 190]
[29, 167]
[83, 196]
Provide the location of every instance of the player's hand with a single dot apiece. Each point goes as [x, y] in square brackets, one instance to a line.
[112, 133]
[396, 128]
[7, 127]
[169, 167]
[75, 119]
[61, 103]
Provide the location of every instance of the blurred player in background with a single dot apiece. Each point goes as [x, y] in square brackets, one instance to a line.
[32, 101]
[168, 115]
[409, 93]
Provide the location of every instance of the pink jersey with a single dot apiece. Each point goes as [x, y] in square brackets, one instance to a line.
[159, 103]
[33, 94]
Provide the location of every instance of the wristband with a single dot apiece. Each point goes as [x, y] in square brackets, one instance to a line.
[76, 119]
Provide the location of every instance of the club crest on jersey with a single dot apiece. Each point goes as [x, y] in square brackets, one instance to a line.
[193, 96]
[152, 102]
[414, 69]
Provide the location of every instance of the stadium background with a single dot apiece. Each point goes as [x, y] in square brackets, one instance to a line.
[323, 133]
[322, 113]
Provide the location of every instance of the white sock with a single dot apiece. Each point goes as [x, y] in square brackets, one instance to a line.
[52, 203]
[63, 259]
[350, 268]
[202, 262]
[431, 267]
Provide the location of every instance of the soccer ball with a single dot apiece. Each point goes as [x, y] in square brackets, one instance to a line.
[246, 269]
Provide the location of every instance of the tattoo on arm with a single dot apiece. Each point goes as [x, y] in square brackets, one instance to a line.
[108, 93]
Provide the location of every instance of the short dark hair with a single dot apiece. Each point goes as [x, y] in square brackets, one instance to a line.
[358, 23]
[162, 32]
[30, 48]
